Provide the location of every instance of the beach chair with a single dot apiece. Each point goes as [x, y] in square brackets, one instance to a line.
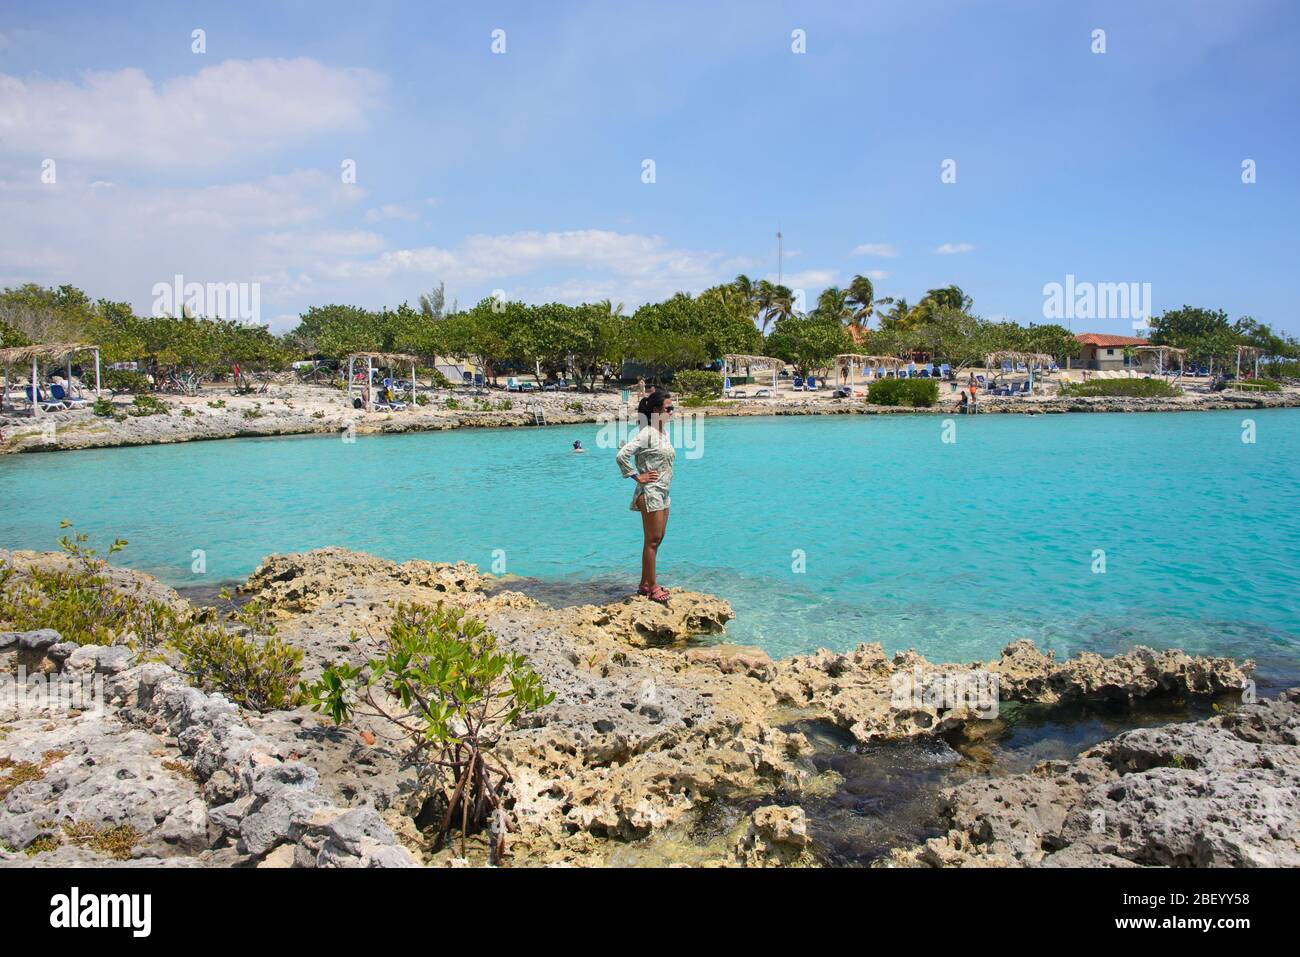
[1020, 367]
[1053, 368]
[59, 394]
[979, 381]
[811, 384]
[34, 397]
[798, 383]
[1006, 367]
[763, 393]
[512, 384]
[945, 371]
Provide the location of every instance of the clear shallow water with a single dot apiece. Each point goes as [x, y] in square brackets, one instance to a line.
[953, 549]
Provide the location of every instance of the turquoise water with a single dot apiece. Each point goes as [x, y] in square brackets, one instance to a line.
[950, 548]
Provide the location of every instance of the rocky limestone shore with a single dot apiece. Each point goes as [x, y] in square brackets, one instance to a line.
[315, 410]
[648, 730]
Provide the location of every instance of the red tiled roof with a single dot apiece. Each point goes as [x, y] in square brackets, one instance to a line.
[1108, 342]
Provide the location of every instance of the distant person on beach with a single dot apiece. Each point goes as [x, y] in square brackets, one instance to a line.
[965, 402]
[973, 387]
[640, 386]
[648, 459]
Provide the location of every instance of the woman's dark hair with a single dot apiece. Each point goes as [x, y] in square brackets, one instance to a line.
[652, 403]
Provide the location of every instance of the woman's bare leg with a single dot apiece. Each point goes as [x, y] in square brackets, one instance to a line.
[653, 524]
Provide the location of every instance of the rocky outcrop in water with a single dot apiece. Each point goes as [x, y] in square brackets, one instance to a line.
[1224, 792]
[645, 736]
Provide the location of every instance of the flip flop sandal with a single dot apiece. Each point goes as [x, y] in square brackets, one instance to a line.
[660, 595]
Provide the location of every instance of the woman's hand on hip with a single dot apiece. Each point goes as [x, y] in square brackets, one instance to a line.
[646, 477]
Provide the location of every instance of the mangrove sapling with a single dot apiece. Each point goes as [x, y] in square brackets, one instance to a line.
[449, 693]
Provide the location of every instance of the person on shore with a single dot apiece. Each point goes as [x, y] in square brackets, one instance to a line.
[965, 402]
[973, 388]
[640, 387]
[648, 460]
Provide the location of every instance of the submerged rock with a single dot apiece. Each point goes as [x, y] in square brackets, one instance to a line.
[1224, 792]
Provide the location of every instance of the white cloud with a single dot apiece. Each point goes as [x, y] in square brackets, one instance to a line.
[392, 211]
[887, 250]
[877, 274]
[809, 278]
[952, 249]
[196, 120]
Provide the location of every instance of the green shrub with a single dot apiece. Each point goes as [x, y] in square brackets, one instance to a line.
[80, 603]
[262, 674]
[448, 690]
[254, 413]
[1126, 388]
[699, 382]
[124, 380]
[918, 393]
[103, 407]
[217, 404]
[144, 404]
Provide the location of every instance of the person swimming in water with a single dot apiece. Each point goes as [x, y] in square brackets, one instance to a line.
[648, 459]
[577, 447]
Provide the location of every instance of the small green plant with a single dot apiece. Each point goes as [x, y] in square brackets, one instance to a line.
[103, 407]
[421, 398]
[318, 414]
[145, 404]
[187, 412]
[447, 689]
[506, 405]
[918, 393]
[574, 406]
[699, 382]
[255, 412]
[453, 403]
[216, 403]
[263, 674]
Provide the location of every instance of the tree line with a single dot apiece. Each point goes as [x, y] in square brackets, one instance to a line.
[581, 341]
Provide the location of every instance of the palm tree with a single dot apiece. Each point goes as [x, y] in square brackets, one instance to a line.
[862, 296]
[763, 296]
[833, 304]
[782, 304]
[899, 317]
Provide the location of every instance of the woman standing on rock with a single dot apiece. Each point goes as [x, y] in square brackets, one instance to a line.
[648, 459]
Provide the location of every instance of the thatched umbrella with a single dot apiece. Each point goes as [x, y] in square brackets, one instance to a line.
[389, 359]
[1029, 359]
[1250, 352]
[44, 354]
[857, 360]
[1161, 352]
[734, 360]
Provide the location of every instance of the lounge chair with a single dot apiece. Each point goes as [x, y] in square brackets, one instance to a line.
[763, 393]
[798, 383]
[737, 394]
[34, 397]
[811, 384]
[512, 384]
[979, 380]
[59, 394]
[945, 371]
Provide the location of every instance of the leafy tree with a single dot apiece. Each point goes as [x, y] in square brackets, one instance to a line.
[807, 342]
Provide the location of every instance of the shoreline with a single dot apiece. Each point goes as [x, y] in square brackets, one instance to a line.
[646, 734]
[312, 410]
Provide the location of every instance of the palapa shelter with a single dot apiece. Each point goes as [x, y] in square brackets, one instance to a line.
[732, 362]
[856, 360]
[1252, 353]
[47, 354]
[1160, 352]
[1030, 360]
[373, 360]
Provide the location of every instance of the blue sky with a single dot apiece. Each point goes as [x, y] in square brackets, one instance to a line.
[522, 171]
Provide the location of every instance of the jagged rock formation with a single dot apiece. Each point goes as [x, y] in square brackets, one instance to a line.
[1224, 792]
[644, 732]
